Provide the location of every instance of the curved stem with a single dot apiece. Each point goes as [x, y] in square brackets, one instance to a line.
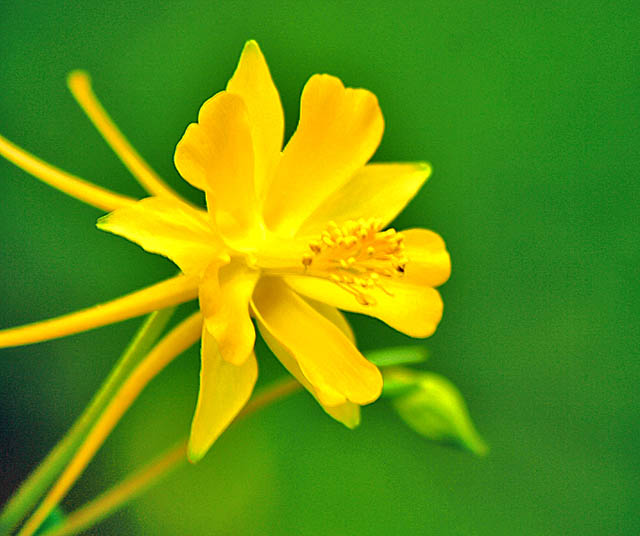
[109, 501]
[167, 293]
[172, 345]
[80, 86]
[82, 190]
[27, 495]
[133, 485]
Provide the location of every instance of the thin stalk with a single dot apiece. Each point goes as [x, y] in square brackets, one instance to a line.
[170, 346]
[82, 190]
[111, 500]
[28, 494]
[80, 85]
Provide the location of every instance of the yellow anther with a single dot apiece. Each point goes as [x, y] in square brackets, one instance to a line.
[357, 256]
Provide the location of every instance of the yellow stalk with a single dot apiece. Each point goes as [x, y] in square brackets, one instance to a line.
[80, 86]
[65, 182]
[136, 483]
[111, 499]
[170, 292]
[173, 344]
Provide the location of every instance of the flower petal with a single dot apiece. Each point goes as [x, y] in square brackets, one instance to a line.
[339, 130]
[429, 263]
[224, 390]
[216, 155]
[335, 316]
[347, 413]
[224, 301]
[252, 81]
[326, 357]
[412, 309]
[374, 191]
[167, 227]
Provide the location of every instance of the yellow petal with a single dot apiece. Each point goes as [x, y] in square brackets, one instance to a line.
[339, 130]
[333, 315]
[326, 357]
[252, 81]
[374, 191]
[167, 227]
[429, 263]
[216, 155]
[224, 390]
[347, 413]
[170, 292]
[224, 300]
[412, 309]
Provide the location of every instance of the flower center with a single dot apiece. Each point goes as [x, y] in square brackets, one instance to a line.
[357, 257]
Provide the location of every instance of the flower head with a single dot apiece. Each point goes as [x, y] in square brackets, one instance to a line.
[289, 237]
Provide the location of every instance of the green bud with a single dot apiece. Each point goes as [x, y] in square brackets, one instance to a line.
[433, 407]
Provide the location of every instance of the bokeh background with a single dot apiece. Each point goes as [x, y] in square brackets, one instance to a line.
[528, 112]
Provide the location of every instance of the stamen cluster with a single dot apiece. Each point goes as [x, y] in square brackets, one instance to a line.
[357, 256]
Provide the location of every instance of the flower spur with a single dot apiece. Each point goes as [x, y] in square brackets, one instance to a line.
[289, 237]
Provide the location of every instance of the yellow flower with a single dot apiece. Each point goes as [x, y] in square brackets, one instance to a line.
[289, 237]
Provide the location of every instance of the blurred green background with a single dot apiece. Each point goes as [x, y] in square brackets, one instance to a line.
[529, 114]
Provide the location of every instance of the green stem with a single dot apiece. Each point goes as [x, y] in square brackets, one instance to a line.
[109, 501]
[133, 485]
[26, 497]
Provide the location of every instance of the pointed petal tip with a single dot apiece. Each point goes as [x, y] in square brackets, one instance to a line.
[426, 167]
[251, 44]
[251, 47]
[352, 425]
[195, 455]
[103, 221]
[422, 169]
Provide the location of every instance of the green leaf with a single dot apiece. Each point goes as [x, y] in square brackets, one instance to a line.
[54, 519]
[433, 407]
[399, 355]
